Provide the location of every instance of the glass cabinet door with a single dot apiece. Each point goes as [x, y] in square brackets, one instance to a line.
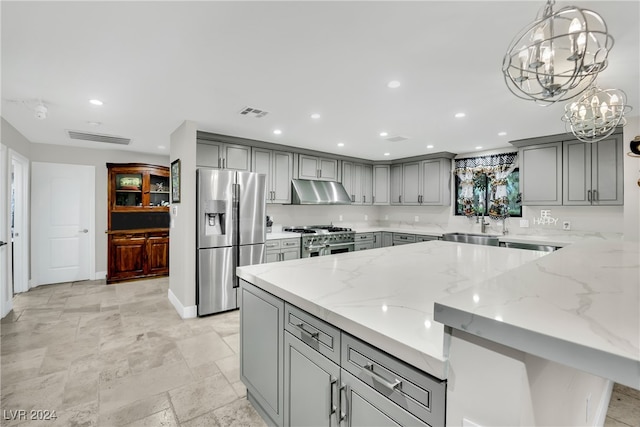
[158, 190]
[129, 189]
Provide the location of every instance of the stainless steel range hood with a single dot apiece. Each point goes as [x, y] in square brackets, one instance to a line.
[308, 192]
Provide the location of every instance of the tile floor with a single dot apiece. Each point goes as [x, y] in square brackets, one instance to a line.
[120, 355]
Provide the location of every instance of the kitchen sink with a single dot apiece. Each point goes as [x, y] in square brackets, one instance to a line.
[475, 239]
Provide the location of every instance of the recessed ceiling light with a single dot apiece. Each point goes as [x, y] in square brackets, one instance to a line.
[94, 123]
[478, 147]
[393, 84]
[96, 102]
[429, 146]
[340, 144]
[502, 133]
[383, 134]
[460, 115]
[161, 147]
[387, 154]
[315, 116]
[277, 132]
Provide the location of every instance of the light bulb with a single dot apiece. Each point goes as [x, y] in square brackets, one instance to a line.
[574, 107]
[614, 99]
[582, 40]
[582, 112]
[595, 102]
[603, 110]
[538, 35]
[575, 26]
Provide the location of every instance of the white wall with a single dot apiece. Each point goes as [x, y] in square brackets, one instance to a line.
[182, 248]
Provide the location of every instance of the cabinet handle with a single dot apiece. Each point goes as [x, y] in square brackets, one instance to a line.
[595, 196]
[353, 198]
[588, 195]
[364, 199]
[373, 199]
[375, 238]
[313, 335]
[368, 370]
[332, 407]
[343, 414]
[400, 199]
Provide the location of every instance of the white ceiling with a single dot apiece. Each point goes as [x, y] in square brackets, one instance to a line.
[155, 64]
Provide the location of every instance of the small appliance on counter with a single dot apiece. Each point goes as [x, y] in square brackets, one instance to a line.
[269, 223]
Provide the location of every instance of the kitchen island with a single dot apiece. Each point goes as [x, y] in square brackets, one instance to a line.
[385, 298]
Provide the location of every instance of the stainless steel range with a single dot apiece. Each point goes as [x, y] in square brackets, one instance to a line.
[319, 240]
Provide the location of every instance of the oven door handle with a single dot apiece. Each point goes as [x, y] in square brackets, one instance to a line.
[336, 245]
[312, 248]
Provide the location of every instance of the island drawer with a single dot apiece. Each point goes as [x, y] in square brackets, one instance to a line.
[417, 392]
[423, 238]
[314, 332]
[361, 246]
[272, 245]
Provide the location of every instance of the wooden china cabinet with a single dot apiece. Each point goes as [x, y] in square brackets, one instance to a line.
[138, 221]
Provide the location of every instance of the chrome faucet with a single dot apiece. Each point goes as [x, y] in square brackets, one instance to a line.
[483, 225]
[505, 231]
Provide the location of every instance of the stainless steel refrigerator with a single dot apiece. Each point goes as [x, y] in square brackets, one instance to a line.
[231, 208]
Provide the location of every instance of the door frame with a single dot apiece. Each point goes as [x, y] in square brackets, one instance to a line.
[6, 300]
[21, 261]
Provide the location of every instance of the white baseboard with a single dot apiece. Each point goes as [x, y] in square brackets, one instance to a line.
[184, 312]
[100, 275]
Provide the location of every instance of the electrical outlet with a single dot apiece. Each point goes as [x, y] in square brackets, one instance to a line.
[339, 217]
[524, 223]
[366, 217]
[416, 218]
[566, 225]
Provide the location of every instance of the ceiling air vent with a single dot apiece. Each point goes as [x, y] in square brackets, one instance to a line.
[96, 137]
[255, 112]
[397, 138]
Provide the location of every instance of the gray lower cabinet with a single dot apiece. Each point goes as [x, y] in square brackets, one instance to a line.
[387, 239]
[261, 351]
[403, 239]
[377, 239]
[423, 238]
[282, 249]
[364, 241]
[300, 370]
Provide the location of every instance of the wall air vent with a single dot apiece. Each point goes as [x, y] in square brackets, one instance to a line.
[397, 138]
[254, 112]
[96, 137]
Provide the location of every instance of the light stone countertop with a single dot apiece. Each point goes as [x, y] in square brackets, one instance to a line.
[579, 306]
[282, 235]
[386, 296]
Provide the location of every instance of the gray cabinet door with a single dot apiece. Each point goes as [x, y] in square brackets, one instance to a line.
[541, 174]
[282, 172]
[432, 183]
[377, 239]
[367, 184]
[607, 171]
[308, 167]
[292, 253]
[357, 183]
[261, 349]
[396, 184]
[208, 155]
[387, 239]
[272, 256]
[237, 157]
[576, 173]
[328, 169]
[411, 176]
[347, 179]
[381, 185]
[311, 386]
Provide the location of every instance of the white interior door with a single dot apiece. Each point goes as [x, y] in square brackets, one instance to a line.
[20, 222]
[62, 223]
[5, 282]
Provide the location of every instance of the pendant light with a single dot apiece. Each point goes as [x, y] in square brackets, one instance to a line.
[558, 56]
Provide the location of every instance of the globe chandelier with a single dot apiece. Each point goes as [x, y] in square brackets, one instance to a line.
[558, 56]
[596, 113]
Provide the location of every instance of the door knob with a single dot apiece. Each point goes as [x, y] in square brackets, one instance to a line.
[84, 230]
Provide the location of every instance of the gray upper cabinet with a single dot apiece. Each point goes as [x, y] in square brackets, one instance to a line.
[593, 173]
[541, 174]
[323, 169]
[219, 155]
[278, 166]
[381, 183]
[396, 184]
[358, 181]
[426, 182]
[411, 177]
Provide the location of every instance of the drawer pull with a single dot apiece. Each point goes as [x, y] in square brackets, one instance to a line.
[368, 370]
[314, 335]
[343, 414]
[332, 407]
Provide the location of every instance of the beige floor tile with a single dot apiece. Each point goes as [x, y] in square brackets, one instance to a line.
[198, 398]
[618, 388]
[204, 348]
[137, 410]
[131, 388]
[207, 420]
[225, 323]
[624, 408]
[230, 368]
[164, 418]
[240, 389]
[239, 414]
[233, 341]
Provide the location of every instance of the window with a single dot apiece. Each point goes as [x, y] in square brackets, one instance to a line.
[480, 193]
